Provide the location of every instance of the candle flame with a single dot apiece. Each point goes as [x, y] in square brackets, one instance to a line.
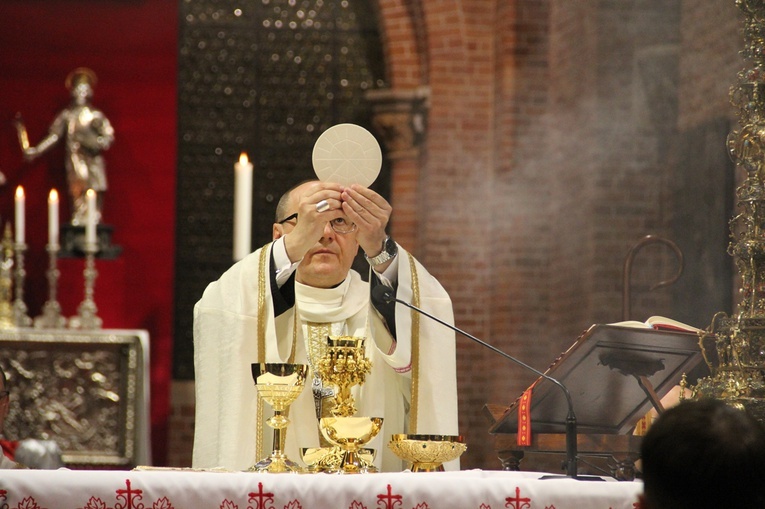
[19, 192]
[243, 158]
[90, 192]
[53, 195]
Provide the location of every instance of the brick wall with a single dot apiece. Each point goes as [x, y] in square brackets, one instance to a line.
[710, 32]
[179, 448]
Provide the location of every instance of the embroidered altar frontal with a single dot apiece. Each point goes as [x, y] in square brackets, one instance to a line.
[471, 489]
[86, 390]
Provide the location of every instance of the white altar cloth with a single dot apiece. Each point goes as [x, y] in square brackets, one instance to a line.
[470, 489]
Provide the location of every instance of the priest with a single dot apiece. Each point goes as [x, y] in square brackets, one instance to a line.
[279, 304]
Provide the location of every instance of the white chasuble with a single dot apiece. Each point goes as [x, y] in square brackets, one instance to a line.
[234, 326]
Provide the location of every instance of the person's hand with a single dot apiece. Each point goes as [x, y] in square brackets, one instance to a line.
[371, 213]
[311, 222]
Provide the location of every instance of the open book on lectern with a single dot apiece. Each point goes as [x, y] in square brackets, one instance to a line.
[614, 373]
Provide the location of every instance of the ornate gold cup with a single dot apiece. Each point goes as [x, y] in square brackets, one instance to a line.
[344, 366]
[350, 434]
[427, 453]
[279, 385]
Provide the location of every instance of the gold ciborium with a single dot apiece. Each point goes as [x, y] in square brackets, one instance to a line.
[345, 365]
[278, 385]
[350, 434]
[427, 453]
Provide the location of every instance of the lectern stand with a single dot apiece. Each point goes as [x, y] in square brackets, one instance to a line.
[615, 375]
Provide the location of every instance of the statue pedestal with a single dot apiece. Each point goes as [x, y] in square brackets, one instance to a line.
[73, 242]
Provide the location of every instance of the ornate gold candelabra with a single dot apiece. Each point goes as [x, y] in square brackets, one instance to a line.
[20, 312]
[87, 312]
[346, 365]
[6, 280]
[734, 346]
[51, 317]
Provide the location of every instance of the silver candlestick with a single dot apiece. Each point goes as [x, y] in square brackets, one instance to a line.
[51, 317]
[20, 316]
[86, 312]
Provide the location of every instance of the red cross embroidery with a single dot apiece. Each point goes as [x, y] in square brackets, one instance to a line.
[261, 497]
[515, 503]
[389, 500]
[128, 495]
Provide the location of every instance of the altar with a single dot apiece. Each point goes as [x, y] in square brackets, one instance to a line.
[163, 488]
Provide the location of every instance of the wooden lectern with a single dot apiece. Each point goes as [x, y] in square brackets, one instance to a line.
[615, 375]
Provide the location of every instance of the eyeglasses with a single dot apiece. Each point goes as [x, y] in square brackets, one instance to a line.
[340, 224]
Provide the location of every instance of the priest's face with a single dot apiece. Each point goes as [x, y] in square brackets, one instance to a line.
[328, 262]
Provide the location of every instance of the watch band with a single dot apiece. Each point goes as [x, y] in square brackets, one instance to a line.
[389, 251]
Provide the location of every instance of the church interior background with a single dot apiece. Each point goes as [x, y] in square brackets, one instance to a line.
[529, 145]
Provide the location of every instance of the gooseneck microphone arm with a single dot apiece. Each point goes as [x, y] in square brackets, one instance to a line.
[382, 293]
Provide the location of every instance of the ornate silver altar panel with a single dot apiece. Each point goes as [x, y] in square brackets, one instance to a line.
[86, 390]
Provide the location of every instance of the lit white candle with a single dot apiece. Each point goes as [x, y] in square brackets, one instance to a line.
[90, 225]
[242, 207]
[53, 217]
[20, 199]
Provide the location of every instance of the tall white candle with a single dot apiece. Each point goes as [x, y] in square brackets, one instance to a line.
[90, 225]
[242, 207]
[20, 199]
[53, 217]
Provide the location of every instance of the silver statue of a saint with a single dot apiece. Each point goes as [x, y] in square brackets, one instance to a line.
[87, 133]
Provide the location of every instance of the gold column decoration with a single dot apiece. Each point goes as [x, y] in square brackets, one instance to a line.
[734, 346]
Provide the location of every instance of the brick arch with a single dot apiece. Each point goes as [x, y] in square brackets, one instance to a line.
[404, 37]
[420, 41]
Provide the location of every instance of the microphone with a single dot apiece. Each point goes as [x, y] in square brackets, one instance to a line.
[383, 294]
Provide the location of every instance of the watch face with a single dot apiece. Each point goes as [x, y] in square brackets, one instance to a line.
[390, 246]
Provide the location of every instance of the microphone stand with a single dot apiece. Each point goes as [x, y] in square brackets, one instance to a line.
[385, 294]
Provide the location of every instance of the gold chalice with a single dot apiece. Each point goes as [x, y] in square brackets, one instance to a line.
[427, 453]
[350, 434]
[344, 365]
[279, 385]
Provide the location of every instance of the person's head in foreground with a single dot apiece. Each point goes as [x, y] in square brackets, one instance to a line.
[703, 454]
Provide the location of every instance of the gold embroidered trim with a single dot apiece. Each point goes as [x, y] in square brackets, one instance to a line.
[317, 343]
[262, 278]
[415, 345]
[317, 348]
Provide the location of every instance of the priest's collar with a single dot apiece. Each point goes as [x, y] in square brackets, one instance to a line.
[332, 304]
